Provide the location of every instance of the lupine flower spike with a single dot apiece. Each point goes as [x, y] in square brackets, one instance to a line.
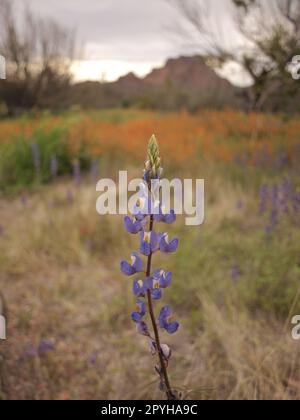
[35, 151]
[149, 284]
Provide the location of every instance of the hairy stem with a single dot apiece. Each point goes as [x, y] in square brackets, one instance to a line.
[163, 368]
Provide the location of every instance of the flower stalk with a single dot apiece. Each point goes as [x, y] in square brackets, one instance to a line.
[150, 288]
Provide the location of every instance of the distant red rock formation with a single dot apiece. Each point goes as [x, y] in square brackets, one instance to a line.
[181, 82]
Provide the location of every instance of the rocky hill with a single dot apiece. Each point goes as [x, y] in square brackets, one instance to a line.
[183, 82]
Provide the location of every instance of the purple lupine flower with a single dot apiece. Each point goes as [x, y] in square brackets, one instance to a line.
[239, 205]
[164, 278]
[164, 217]
[296, 201]
[148, 287]
[165, 320]
[44, 346]
[149, 243]
[279, 200]
[147, 176]
[140, 287]
[94, 170]
[274, 218]
[274, 213]
[272, 223]
[151, 284]
[268, 230]
[167, 246]
[264, 197]
[235, 273]
[155, 289]
[136, 265]
[282, 160]
[275, 194]
[143, 205]
[140, 313]
[93, 358]
[54, 166]
[24, 199]
[29, 352]
[35, 152]
[148, 201]
[133, 225]
[160, 280]
[284, 196]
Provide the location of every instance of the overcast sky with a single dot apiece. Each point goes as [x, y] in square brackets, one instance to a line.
[124, 35]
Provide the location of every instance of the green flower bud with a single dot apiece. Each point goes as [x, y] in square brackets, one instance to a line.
[153, 163]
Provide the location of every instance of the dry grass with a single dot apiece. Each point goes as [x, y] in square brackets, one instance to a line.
[60, 277]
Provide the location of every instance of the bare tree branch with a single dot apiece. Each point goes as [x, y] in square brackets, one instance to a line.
[39, 53]
[270, 34]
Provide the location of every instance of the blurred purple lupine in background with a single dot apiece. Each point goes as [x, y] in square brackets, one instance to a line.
[31, 351]
[282, 160]
[264, 196]
[76, 171]
[69, 196]
[239, 205]
[278, 202]
[44, 346]
[284, 196]
[54, 166]
[296, 201]
[236, 273]
[262, 158]
[88, 245]
[35, 151]
[93, 358]
[94, 171]
[242, 159]
[296, 152]
[24, 199]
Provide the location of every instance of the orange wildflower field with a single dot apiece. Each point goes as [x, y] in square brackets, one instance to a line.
[211, 135]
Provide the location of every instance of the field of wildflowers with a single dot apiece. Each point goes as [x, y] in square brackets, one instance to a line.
[59, 142]
[236, 282]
